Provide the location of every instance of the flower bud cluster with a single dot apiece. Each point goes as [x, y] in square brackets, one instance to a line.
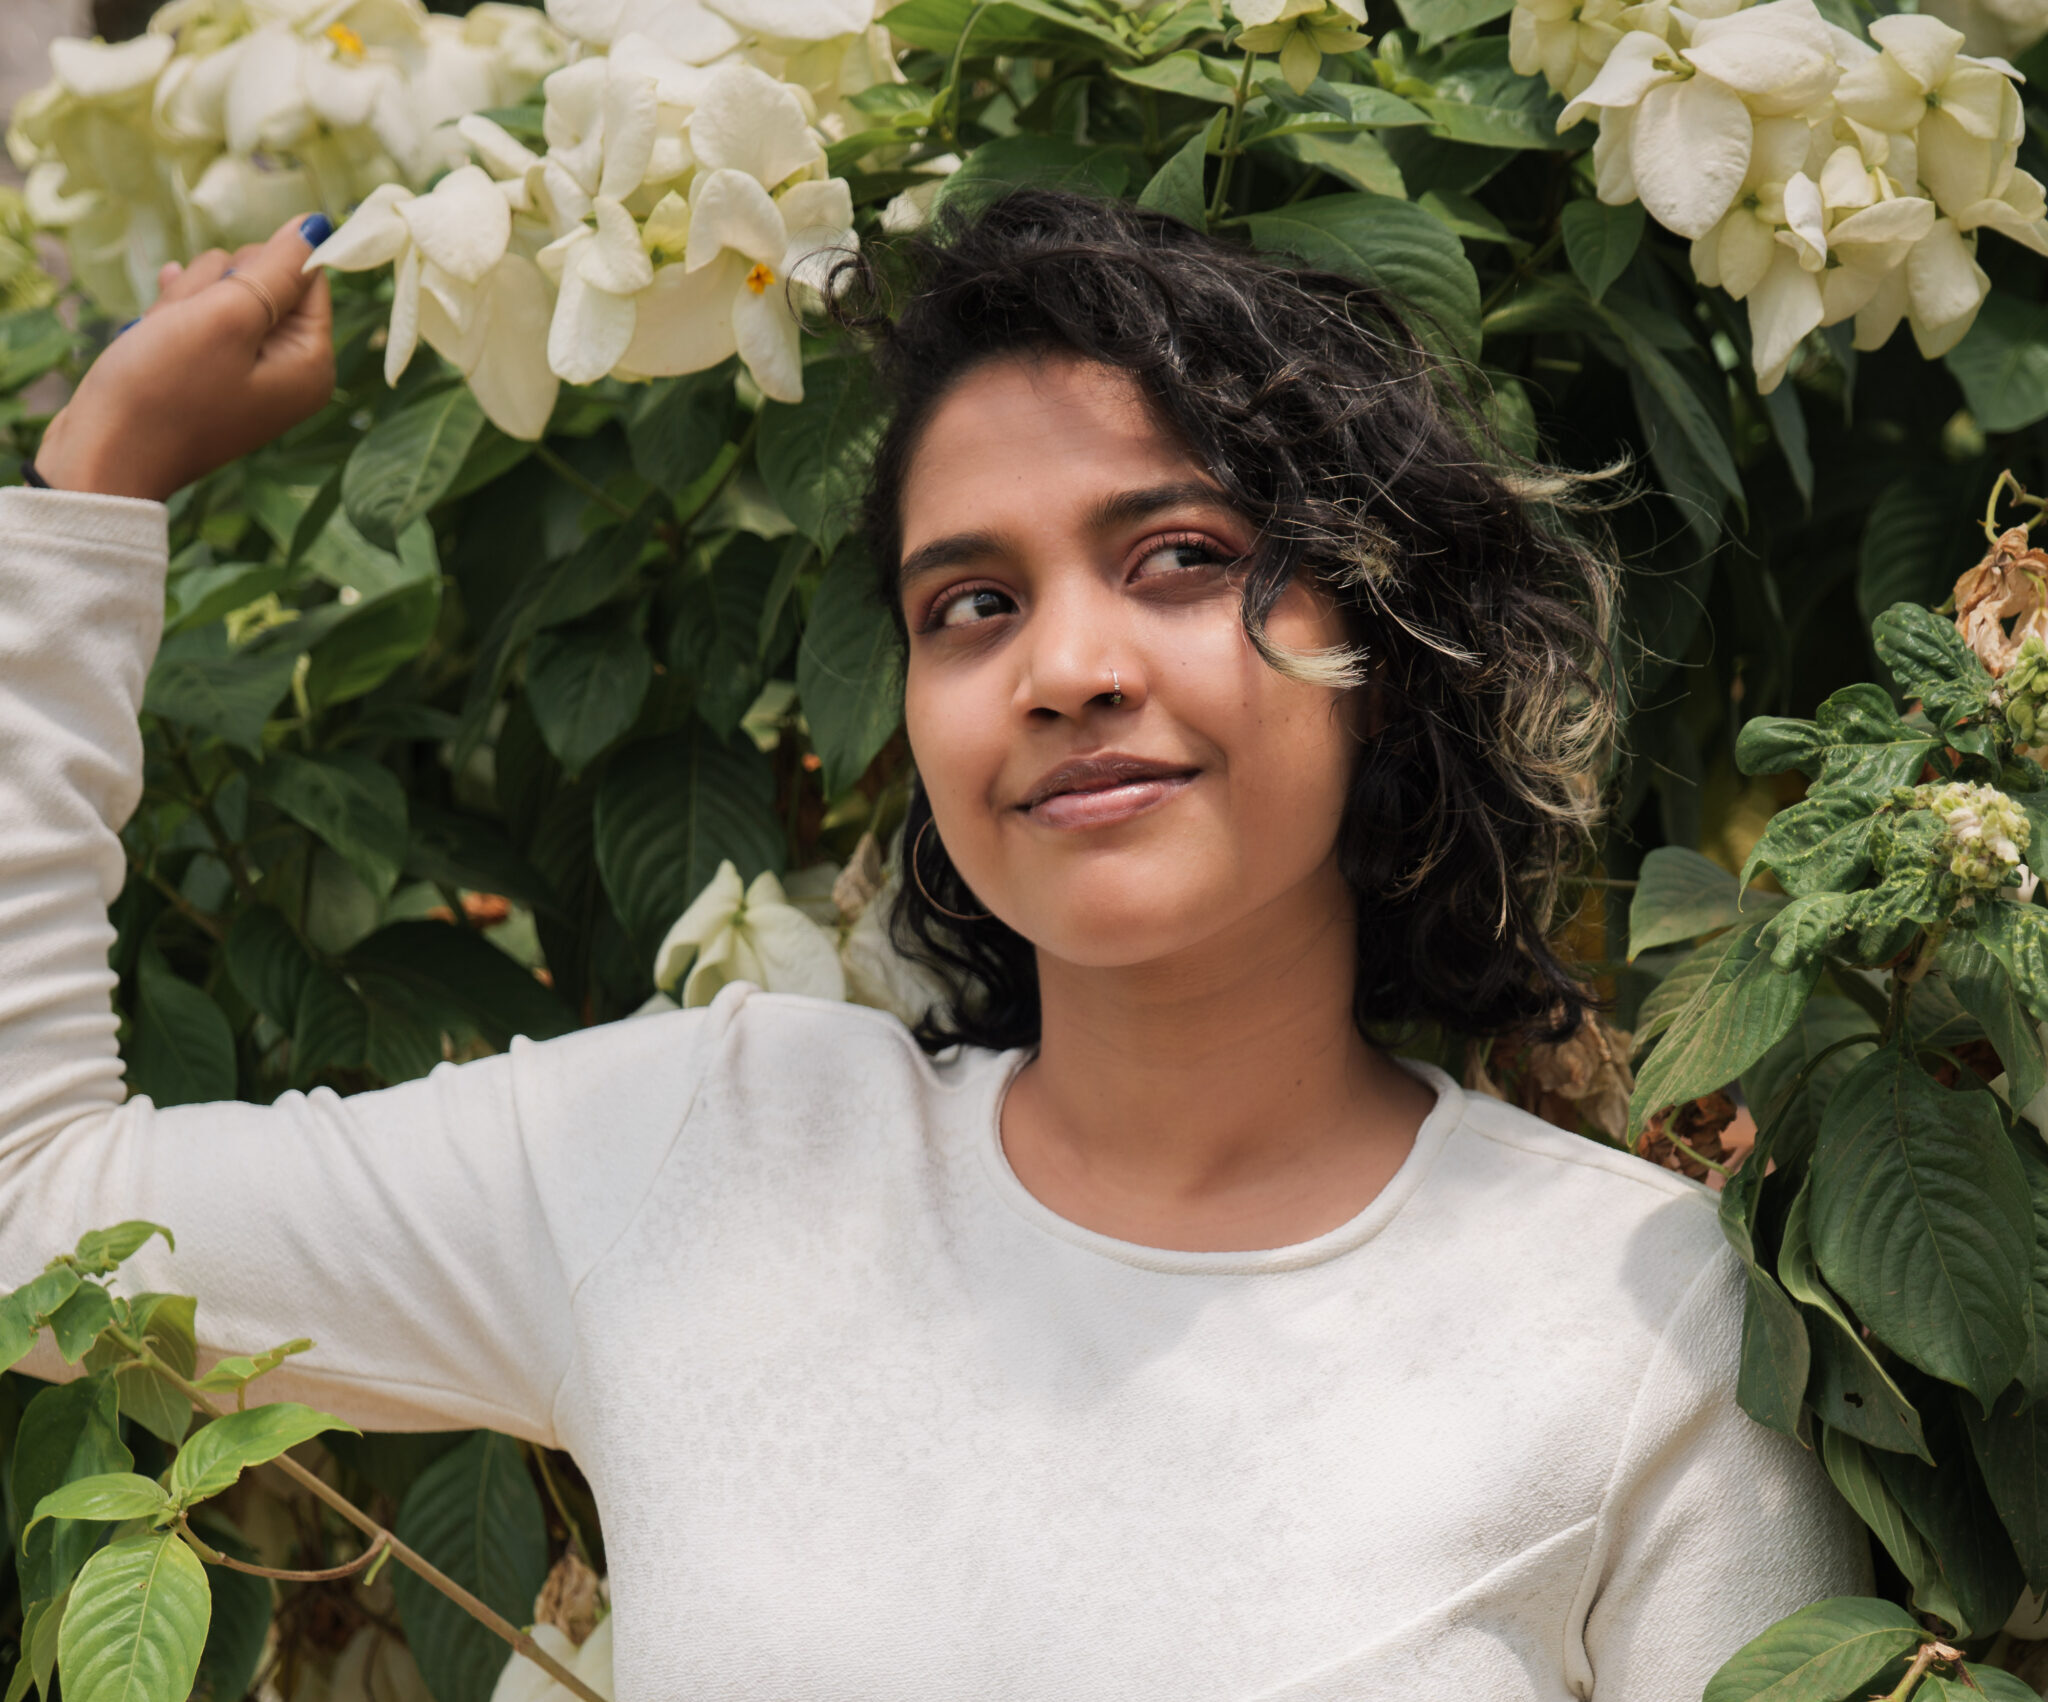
[227, 117]
[680, 211]
[2025, 692]
[1822, 177]
[1986, 833]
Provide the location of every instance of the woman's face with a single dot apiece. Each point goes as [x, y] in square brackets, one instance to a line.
[1060, 546]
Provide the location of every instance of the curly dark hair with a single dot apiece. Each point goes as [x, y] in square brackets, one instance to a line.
[1474, 610]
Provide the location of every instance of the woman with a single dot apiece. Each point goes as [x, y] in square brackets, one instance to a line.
[1166, 1339]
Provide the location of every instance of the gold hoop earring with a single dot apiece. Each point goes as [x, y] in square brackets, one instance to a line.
[916, 875]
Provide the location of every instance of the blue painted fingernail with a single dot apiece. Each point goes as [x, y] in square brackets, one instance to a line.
[317, 229]
[137, 320]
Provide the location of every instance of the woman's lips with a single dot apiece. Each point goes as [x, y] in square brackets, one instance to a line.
[1105, 806]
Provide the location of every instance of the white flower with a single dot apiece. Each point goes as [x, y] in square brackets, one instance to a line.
[2006, 28]
[1677, 123]
[1565, 41]
[526, 1681]
[1300, 32]
[734, 933]
[880, 976]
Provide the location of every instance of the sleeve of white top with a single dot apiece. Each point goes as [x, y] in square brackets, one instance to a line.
[429, 1237]
[1713, 1527]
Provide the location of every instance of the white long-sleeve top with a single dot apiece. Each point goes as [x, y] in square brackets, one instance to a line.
[866, 1422]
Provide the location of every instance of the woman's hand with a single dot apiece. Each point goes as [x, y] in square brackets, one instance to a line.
[203, 376]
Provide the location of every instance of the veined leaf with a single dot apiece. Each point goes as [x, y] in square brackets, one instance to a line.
[102, 1251]
[1831, 1649]
[2016, 935]
[68, 1432]
[1821, 844]
[77, 1323]
[354, 804]
[108, 1498]
[586, 684]
[1949, 1505]
[1776, 1355]
[136, 1623]
[1733, 1020]
[1178, 189]
[1987, 993]
[1852, 1471]
[1920, 1221]
[848, 674]
[1929, 659]
[814, 453]
[406, 462]
[218, 1453]
[475, 1514]
[1681, 895]
[1600, 241]
[181, 1050]
[2012, 1452]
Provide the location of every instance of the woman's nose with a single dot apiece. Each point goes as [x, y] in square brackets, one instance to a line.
[1079, 660]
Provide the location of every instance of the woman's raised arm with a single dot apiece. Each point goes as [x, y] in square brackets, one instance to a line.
[428, 1237]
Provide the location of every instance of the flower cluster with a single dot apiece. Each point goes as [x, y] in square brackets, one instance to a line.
[2025, 692]
[229, 116]
[1299, 32]
[1985, 832]
[825, 935]
[681, 208]
[1820, 177]
[23, 282]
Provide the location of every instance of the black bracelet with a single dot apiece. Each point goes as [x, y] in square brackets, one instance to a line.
[32, 478]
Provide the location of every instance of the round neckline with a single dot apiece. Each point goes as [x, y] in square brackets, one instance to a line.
[1346, 1237]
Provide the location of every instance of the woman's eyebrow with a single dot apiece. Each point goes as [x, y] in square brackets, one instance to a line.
[1126, 506]
[947, 552]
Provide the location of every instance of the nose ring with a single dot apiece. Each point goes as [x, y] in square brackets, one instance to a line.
[1116, 691]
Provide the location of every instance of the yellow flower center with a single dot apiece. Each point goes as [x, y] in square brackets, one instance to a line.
[346, 42]
[759, 278]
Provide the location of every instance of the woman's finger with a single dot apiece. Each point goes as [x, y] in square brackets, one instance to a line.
[190, 279]
[272, 276]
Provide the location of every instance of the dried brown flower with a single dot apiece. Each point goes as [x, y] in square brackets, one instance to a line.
[570, 1600]
[2003, 600]
[1582, 1084]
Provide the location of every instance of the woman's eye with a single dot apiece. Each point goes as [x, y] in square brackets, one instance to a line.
[1179, 555]
[966, 608]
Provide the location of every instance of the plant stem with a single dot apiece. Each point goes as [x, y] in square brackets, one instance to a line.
[578, 483]
[184, 906]
[1720, 1170]
[1228, 161]
[959, 101]
[213, 1557]
[746, 443]
[1914, 1673]
[1531, 262]
[229, 852]
[547, 1477]
[406, 1556]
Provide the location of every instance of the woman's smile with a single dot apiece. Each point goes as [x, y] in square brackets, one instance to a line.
[1103, 791]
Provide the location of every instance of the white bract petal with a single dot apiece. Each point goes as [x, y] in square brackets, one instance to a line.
[463, 225]
[373, 235]
[684, 320]
[403, 336]
[614, 260]
[1639, 63]
[95, 71]
[749, 122]
[503, 155]
[505, 348]
[1690, 153]
[768, 337]
[730, 210]
[797, 20]
[1944, 288]
[590, 330]
[1783, 308]
[1778, 55]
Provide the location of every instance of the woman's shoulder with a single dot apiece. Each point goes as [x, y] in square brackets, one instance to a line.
[1570, 1212]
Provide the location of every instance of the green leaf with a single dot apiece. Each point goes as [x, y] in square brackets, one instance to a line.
[1908, 544]
[1987, 993]
[237, 1372]
[1854, 1473]
[1392, 245]
[1009, 28]
[406, 462]
[678, 427]
[476, 1515]
[1680, 895]
[241, 1615]
[1788, 424]
[1438, 20]
[586, 684]
[2002, 363]
[814, 454]
[2016, 935]
[717, 639]
[215, 1455]
[1850, 1390]
[1930, 661]
[376, 639]
[1775, 1352]
[165, 1323]
[1177, 189]
[269, 962]
[109, 1497]
[1600, 241]
[1921, 1222]
[198, 682]
[1821, 844]
[32, 341]
[1949, 1505]
[38, 1646]
[1731, 1022]
[1041, 162]
[462, 979]
[1199, 76]
[1361, 160]
[136, 1624]
[1479, 99]
[68, 1432]
[354, 804]
[1672, 994]
[180, 1049]
[669, 810]
[1695, 465]
[2033, 1373]
[102, 1251]
[1993, 1684]
[77, 1323]
[1821, 1653]
[2012, 1452]
[849, 672]
[23, 1311]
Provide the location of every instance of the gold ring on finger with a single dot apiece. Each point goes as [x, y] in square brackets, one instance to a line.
[257, 288]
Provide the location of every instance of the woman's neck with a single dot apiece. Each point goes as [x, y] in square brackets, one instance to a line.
[1219, 1100]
